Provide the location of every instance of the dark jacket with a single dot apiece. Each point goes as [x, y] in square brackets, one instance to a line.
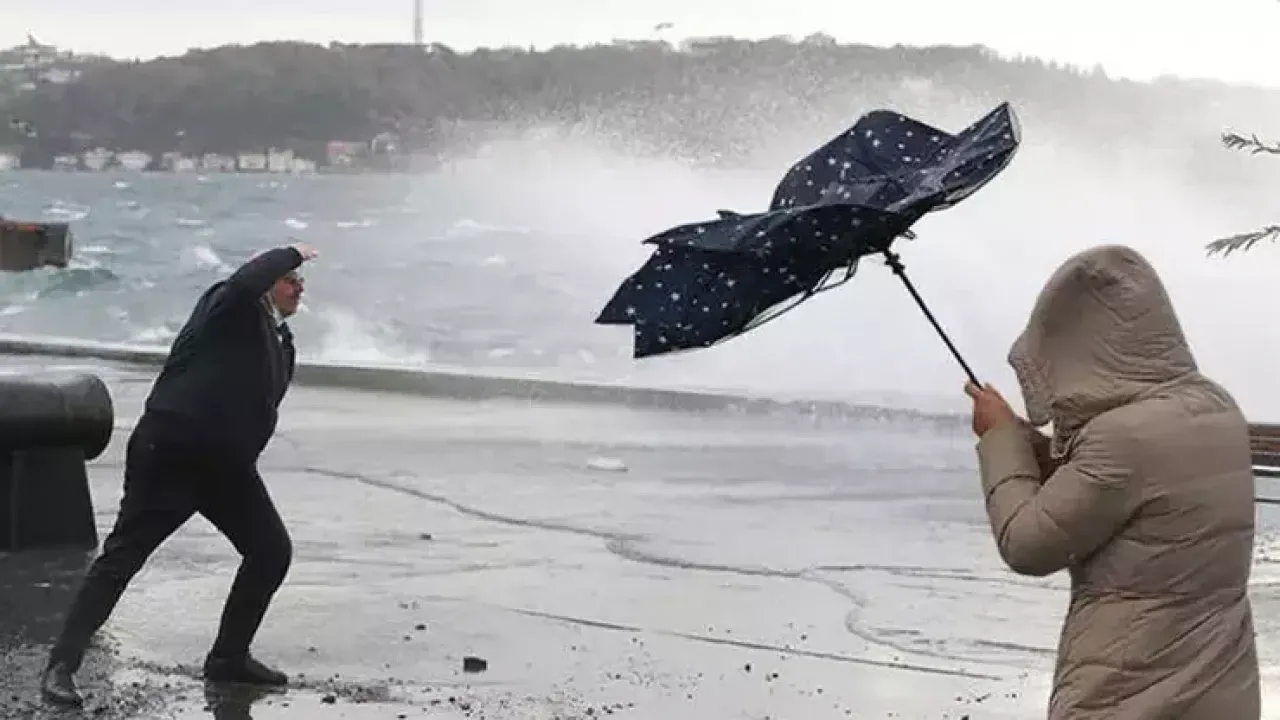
[230, 365]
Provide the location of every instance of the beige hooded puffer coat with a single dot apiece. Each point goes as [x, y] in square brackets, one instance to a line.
[1145, 493]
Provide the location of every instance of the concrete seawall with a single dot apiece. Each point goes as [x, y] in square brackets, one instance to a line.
[461, 384]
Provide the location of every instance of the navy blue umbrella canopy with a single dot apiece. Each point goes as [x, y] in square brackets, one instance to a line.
[709, 281]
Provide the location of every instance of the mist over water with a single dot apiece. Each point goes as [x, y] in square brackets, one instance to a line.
[503, 259]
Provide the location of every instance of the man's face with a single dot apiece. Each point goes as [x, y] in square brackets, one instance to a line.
[287, 293]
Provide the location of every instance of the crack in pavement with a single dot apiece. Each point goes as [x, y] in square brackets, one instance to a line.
[393, 486]
[622, 545]
[751, 645]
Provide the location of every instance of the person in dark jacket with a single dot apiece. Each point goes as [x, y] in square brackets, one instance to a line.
[210, 413]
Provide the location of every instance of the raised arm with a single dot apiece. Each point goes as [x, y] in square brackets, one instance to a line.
[1044, 525]
[253, 279]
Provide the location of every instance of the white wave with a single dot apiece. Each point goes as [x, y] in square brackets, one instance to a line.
[204, 257]
[606, 464]
[66, 211]
[466, 227]
[296, 224]
[159, 335]
[136, 209]
[349, 339]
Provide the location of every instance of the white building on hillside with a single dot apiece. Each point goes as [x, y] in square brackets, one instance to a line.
[252, 162]
[213, 162]
[97, 159]
[134, 160]
[279, 161]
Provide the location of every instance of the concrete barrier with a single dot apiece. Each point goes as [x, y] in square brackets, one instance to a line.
[1264, 443]
[467, 385]
[49, 428]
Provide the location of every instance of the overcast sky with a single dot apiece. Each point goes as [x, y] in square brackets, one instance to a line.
[1227, 39]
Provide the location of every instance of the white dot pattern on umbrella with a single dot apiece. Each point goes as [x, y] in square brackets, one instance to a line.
[853, 196]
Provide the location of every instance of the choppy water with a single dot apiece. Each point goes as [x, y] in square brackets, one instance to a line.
[503, 261]
[409, 272]
[414, 270]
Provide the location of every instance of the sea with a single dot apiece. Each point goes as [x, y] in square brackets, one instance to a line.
[500, 263]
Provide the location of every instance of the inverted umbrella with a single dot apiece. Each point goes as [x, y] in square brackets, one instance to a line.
[710, 281]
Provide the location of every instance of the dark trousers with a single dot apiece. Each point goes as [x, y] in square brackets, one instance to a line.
[166, 481]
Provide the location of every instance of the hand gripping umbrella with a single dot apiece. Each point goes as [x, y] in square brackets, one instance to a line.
[710, 281]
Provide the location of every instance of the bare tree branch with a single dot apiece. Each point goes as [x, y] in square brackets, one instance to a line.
[1244, 241]
[1252, 144]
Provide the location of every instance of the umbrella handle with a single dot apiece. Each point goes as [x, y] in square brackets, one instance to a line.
[895, 264]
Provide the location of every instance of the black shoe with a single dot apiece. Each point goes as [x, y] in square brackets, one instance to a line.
[58, 685]
[242, 670]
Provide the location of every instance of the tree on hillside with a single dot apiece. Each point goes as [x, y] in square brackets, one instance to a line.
[1246, 240]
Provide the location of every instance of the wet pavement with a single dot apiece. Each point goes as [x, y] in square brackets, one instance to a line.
[604, 561]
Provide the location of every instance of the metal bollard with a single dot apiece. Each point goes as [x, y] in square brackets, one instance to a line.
[49, 429]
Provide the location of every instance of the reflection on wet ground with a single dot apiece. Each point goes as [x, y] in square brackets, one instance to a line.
[604, 561]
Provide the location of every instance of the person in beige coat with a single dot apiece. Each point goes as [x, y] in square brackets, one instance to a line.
[1144, 493]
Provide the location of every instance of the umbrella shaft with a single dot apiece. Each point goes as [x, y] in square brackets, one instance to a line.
[895, 264]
